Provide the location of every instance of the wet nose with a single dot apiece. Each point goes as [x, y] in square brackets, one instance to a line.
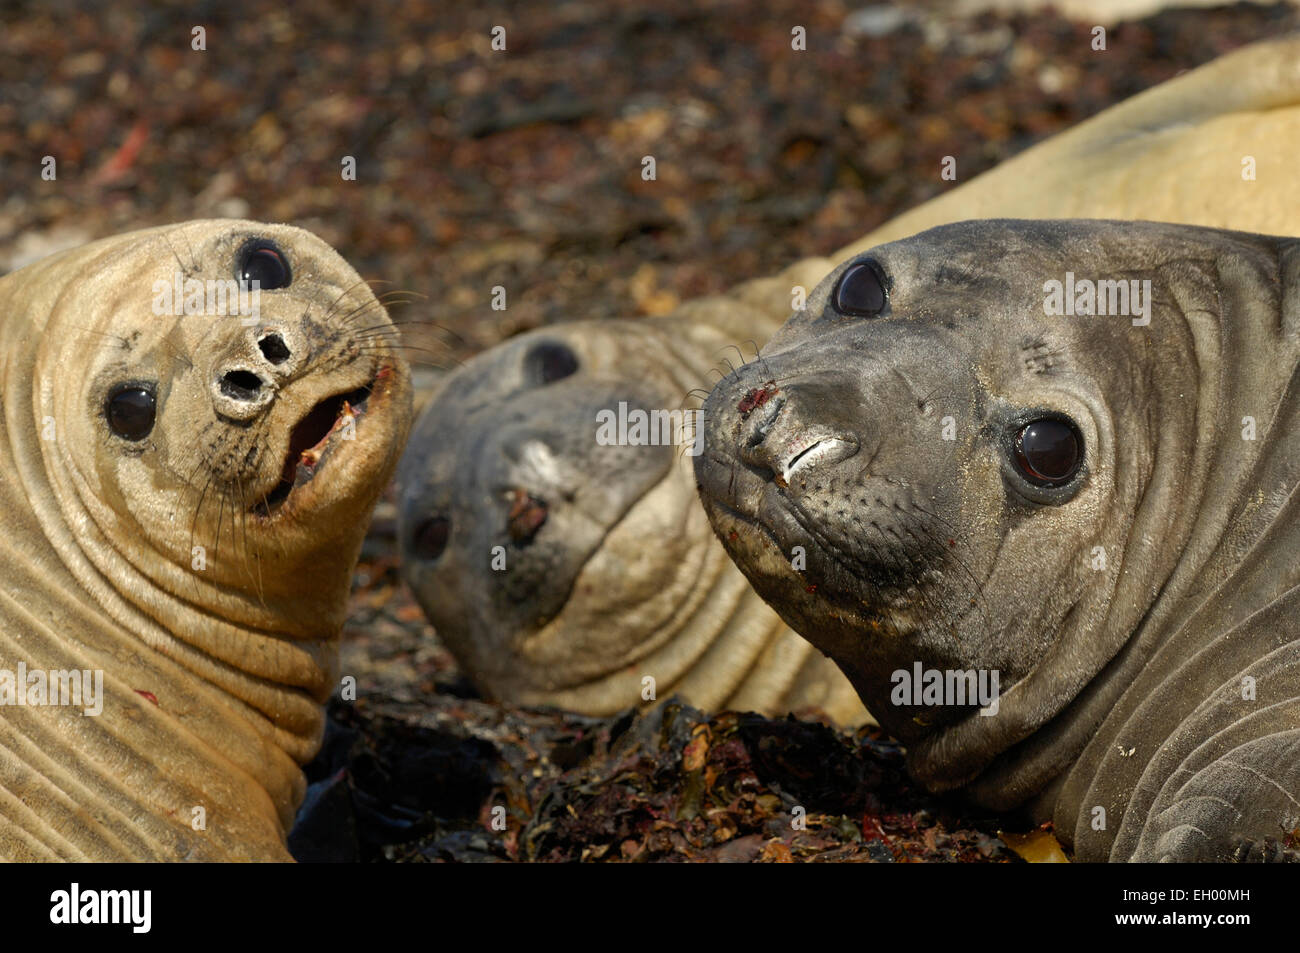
[525, 516]
[540, 476]
[759, 411]
[779, 436]
[247, 375]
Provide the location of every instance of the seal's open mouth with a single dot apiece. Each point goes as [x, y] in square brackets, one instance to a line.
[311, 438]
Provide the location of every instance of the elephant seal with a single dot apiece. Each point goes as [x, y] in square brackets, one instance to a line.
[1173, 152]
[565, 569]
[184, 487]
[1089, 507]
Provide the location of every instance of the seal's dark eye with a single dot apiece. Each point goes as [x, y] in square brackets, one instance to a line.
[860, 291]
[261, 261]
[1049, 452]
[130, 411]
[550, 361]
[430, 537]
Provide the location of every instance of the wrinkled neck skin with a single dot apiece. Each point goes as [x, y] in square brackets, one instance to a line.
[215, 622]
[976, 575]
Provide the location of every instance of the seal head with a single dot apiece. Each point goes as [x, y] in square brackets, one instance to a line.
[534, 546]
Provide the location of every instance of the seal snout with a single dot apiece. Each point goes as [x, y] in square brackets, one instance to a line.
[252, 368]
[774, 436]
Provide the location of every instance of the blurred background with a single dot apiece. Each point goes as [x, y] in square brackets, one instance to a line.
[522, 168]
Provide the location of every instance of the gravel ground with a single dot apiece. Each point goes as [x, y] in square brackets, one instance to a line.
[522, 168]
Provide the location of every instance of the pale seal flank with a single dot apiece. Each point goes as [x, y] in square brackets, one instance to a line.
[652, 428]
[932, 686]
[1104, 297]
[103, 906]
[77, 688]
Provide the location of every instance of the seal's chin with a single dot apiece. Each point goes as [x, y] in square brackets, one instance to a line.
[316, 438]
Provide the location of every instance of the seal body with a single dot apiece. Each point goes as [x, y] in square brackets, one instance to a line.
[1090, 507]
[551, 531]
[1214, 146]
[184, 488]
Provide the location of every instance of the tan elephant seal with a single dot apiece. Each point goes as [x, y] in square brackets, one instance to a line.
[1215, 146]
[1044, 478]
[187, 469]
[1174, 152]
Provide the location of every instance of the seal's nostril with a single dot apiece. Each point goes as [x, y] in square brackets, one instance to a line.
[274, 349]
[241, 385]
[757, 426]
[526, 516]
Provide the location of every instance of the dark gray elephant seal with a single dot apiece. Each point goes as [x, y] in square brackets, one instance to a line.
[565, 569]
[1112, 527]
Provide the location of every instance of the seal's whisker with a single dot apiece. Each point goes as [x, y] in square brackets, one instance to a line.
[397, 295]
[935, 516]
[108, 334]
[186, 271]
[381, 332]
[974, 592]
[945, 545]
[221, 516]
[413, 352]
[378, 330]
[381, 345]
[198, 509]
[255, 557]
[423, 323]
[362, 310]
[758, 357]
[738, 354]
[402, 295]
[416, 355]
[193, 257]
[343, 294]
